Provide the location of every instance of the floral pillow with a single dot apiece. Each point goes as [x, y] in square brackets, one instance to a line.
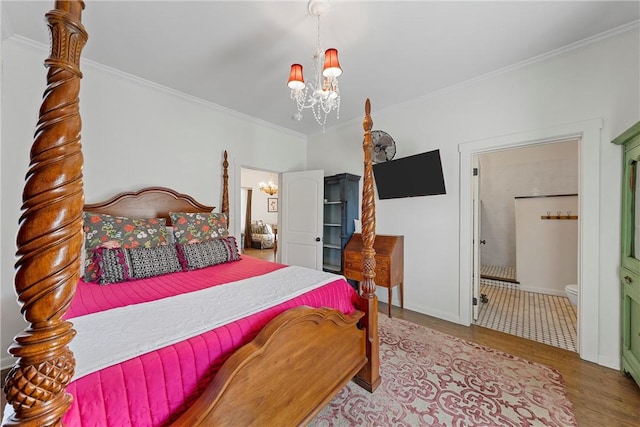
[196, 227]
[258, 227]
[107, 231]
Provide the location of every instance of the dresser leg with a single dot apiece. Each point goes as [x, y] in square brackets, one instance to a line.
[402, 294]
[390, 288]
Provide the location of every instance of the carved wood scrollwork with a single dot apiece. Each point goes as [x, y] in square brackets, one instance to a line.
[50, 235]
[225, 187]
[369, 376]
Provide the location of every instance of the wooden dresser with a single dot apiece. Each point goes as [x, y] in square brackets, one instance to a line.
[389, 262]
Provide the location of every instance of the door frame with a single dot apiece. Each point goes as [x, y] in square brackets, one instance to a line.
[588, 134]
[477, 235]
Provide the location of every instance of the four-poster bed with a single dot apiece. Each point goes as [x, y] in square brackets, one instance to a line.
[300, 357]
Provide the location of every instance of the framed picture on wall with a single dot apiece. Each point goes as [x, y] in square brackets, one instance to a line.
[272, 204]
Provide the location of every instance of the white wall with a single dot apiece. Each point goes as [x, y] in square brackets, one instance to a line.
[546, 249]
[135, 134]
[543, 169]
[597, 80]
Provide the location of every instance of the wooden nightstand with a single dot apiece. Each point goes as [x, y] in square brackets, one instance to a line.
[389, 262]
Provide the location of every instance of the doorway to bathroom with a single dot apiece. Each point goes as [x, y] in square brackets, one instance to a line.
[589, 135]
[528, 241]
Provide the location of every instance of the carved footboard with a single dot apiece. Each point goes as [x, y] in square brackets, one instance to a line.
[282, 377]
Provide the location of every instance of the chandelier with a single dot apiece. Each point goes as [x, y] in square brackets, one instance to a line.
[322, 94]
[270, 187]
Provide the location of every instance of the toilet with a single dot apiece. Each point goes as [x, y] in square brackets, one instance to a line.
[572, 293]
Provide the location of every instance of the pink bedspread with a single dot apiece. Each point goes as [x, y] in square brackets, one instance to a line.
[91, 298]
[155, 388]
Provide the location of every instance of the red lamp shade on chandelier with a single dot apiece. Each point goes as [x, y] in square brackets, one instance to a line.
[321, 93]
[296, 81]
[331, 64]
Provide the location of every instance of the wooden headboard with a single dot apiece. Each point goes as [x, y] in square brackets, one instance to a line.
[150, 202]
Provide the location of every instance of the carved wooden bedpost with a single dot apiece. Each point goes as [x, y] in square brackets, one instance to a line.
[50, 234]
[225, 188]
[369, 376]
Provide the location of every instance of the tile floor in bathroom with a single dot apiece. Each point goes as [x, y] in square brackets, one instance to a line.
[548, 319]
[498, 272]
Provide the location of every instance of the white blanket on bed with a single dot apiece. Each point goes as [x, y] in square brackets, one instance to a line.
[113, 336]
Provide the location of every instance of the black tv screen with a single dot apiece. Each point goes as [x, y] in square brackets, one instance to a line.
[417, 175]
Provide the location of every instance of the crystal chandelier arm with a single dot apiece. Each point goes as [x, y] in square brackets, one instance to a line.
[321, 94]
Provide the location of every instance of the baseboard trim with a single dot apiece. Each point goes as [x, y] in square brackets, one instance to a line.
[609, 362]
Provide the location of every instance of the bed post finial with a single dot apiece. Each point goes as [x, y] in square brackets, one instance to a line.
[225, 187]
[50, 234]
[369, 376]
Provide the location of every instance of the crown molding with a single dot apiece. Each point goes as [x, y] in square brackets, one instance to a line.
[634, 25]
[148, 83]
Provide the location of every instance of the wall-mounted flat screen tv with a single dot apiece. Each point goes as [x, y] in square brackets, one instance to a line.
[417, 175]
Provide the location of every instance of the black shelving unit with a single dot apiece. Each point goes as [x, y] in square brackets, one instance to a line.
[341, 207]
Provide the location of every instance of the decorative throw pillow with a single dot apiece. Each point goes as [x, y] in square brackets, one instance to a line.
[258, 227]
[119, 264]
[208, 253]
[111, 265]
[107, 231]
[150, 262]
[195, 227]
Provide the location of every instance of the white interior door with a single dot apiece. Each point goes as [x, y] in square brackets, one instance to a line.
[300, 232]
[477, 204]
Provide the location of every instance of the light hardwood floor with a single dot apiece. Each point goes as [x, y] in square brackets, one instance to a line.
[266, 254]
[601, 397]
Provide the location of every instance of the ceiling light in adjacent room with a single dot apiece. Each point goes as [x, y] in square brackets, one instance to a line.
[270, 187]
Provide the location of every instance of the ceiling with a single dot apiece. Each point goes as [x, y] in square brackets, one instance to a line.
[237, 54]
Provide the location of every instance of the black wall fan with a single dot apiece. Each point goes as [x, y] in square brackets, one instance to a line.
[384, 147]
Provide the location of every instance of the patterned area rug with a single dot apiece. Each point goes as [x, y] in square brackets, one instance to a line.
[433, 379]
